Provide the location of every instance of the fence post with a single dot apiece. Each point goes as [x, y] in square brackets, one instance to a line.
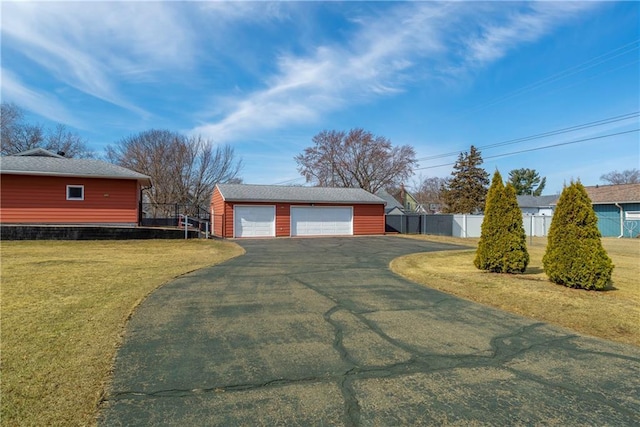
[186, 223]
[464, 222]
[531, 233]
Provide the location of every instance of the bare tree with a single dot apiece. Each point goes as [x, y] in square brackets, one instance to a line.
[63, 140]
[183, 170]
[355, 159]
[428, 192]
[17, 135]
[629, 176]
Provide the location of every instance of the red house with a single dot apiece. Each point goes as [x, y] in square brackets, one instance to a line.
[239, 210]
[41, 187]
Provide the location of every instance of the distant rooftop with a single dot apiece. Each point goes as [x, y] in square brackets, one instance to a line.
[620, 193]
[536, 201]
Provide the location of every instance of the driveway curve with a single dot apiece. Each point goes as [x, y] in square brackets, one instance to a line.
[321, 332]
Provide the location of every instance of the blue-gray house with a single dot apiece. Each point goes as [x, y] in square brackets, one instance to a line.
[617, 208]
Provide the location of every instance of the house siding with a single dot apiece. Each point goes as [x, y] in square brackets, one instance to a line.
[609, 218]
[29, 199]
[218, 214]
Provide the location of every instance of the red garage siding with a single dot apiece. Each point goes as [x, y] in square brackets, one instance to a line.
[29, 199]
[368, 219]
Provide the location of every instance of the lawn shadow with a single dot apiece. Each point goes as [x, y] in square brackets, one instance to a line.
[534, 270]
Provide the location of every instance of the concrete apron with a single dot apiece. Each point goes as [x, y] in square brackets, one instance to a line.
[320, 332]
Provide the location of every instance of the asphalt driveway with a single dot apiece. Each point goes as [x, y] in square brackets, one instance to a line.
[321, 332]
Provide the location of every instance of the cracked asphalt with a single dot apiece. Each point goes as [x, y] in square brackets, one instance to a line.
[321, 332]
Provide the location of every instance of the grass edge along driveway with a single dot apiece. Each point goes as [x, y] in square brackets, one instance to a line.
[612, 315]
[64, 306]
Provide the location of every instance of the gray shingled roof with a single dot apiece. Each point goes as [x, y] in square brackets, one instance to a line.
[620, 193]
[276, 193]
[536, 201]
[62, 166]
[390, 200]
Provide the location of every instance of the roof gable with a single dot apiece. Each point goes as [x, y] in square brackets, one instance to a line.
[284, 194]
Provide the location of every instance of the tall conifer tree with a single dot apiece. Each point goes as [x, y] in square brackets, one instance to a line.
[465, 192]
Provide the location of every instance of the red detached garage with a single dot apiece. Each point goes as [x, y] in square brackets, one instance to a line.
[239, 210]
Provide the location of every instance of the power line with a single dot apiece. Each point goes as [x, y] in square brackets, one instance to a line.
[626, 48]
[544, 134]
[539, 148]
[289, 181]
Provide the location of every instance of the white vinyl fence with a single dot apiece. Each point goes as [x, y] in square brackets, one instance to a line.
[470, 225]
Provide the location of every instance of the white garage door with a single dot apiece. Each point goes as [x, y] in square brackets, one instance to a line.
[254, 221]
[321, 221]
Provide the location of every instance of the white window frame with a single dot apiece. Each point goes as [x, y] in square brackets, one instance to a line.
[75, 198]
[632, 215]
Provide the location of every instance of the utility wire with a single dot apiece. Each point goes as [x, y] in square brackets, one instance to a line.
[544, 134]
[539, 148]
[288, 181]
[597, 60]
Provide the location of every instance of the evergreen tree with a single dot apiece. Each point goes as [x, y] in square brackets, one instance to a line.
[502, 247]
[465, 192]
[575, 256]
[516, 257]
[524, 180]
[488, 254]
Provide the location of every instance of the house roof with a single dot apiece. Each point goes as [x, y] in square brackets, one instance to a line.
[45, 163]
[391, 201]
[620, 193]
[277, 193]
[536, 201]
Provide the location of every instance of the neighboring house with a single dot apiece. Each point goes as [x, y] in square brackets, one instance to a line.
[240, 210]
[537, 205]
[617, 208]
[409, 203]
[393, 206]
[41, 187]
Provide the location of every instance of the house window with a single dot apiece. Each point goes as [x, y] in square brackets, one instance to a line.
[75, 192]
[632, 215]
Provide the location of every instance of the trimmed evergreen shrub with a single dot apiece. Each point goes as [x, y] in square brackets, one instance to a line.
[516, 257]
[575, 256]
[503, 242]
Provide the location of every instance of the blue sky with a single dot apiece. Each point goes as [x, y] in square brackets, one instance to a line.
[265, 77]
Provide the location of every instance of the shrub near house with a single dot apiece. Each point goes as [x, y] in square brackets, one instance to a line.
[575, 256]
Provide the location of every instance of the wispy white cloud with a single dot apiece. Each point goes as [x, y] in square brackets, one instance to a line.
[496, 39]
[95, 47]
[36, 101]
[331, 77]
[403, 43]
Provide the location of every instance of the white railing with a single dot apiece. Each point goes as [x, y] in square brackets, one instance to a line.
[183, 221]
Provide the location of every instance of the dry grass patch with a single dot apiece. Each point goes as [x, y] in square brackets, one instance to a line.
[64, 306]
[613, 314]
